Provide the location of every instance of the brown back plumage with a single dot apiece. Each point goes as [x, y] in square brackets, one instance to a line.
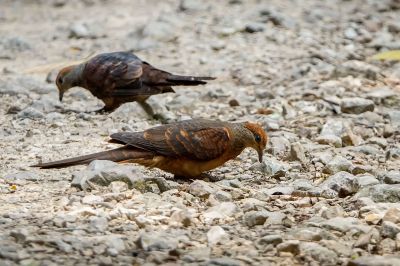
[187, 148]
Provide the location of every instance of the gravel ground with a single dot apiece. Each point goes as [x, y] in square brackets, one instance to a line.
[328, 192]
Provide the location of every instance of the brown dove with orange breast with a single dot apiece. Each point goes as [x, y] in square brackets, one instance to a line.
[187, 148]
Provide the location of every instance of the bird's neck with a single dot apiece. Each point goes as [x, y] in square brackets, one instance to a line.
[241, 137]
[76, 75]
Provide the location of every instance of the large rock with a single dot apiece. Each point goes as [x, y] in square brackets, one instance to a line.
[337, 164]
[102, 173]
[392, 177]
[381, 193]
[356, 105]
[216, 234]
[343, 183]
[253, 218]
[200, 188]
[221, 211]
[157, 241]
[375, 260]
[319, 253]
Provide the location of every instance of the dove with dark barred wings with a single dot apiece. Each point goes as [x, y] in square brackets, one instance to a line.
[187, 148]
[121, 77]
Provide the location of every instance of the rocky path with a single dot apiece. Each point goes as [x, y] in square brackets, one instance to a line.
[328, 192]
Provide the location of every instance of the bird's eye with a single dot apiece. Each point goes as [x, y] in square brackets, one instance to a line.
[60, 80]
[257, 137]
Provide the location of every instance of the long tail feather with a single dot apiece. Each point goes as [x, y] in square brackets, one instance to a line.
[116, 155]
[188, 80]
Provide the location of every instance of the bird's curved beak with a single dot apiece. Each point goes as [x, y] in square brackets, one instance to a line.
[260, 155]
[60, 95]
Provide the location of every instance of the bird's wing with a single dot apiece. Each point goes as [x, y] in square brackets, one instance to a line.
[114, 71]
[193, 141]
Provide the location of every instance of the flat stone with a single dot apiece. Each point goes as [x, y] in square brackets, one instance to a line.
[292, 246]
[381, 193]
[341, 224]
[365, 180]
[389, 229]
[392, 177]
[375, 260]
[30, 113]
[356, 105]
[332, 140]
[200, 188]
[319, 253]
[157, 241]
[343, 183]
[103, 173]
[221, 211]
[215, 235]
[253, 218]
[270, 239]
[392, 215]
[225, 261]
[337, 164]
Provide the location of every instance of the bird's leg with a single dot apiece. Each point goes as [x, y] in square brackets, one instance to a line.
[149, 110]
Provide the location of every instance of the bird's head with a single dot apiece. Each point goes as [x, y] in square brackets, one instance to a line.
[67, 78]
[257, 139]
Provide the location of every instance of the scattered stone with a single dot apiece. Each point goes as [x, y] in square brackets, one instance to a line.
[21, 176]
[271, 167]
[251, 204]
[378, 95]
[389, 229]
[332, 140]
[92, 199]
[357, 68]
[337, 164]
[82, 30]
[392, 215]
[253, 218]
[292, 246]
[215, 235]
[297, 153]
[343, 183]
[381, 193]
[253, 27]
[392, 177]
[270, 239]
[341, 224]
[221, 211]
[30, 113]
[356, 105]
[366, 180]
[99, 223]
[156, 241]
[319, 253]
[375, 260]
[223, 262]
[221, 195]
[192, 5]
[378, 141]
[394, 117]
[103, 173]
[200, 188]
